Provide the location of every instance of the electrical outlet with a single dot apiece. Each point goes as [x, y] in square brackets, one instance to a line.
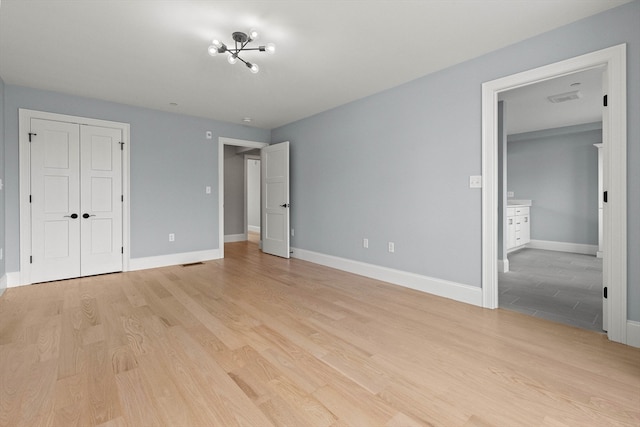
[172, 237]
[207, 189]
[365, 243]
[293, 232]
[1, 253]
[475, 181]
[392, 247]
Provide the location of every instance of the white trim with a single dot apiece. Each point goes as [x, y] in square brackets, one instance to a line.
[222, 141]
[173, 259]
[503, 265]
[3, 283]
[576, 248]
[13, 279]
[613, 60]
[633, 333]
[455, 291]
[24, 122]
[253, 228]
[230, 238]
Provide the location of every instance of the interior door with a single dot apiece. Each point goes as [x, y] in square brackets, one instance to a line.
[55, 200]
[275, 199]
[76, 200]
[100, 200]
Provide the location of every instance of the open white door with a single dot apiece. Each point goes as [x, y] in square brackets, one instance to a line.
[602, 202]
[275, 199]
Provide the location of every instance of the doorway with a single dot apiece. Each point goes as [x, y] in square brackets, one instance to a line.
[549, 267]
[614, 162]
[239, 147]
[74, 196]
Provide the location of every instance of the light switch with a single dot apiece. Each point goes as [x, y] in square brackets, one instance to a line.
[207, 189]
[475, 181]
[209, 135]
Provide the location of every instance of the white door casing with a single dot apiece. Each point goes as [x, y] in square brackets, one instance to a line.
[613, 60]
[96, 244]
[275, 199]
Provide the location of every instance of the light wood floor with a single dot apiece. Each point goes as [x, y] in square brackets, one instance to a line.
[255, 340]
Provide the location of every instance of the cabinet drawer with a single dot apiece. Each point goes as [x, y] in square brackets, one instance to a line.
[521, 211]
[511, 211]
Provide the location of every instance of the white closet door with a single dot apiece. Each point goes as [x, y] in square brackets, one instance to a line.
[100, 200]
[275, 199]
[55, 200]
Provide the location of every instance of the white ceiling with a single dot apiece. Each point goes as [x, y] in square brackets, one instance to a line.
[528, 108]
[151, 53]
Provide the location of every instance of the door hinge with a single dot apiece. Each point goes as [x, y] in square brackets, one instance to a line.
[122, 197]
[121, 249]
[30, 259]
[605, 292]
[121, 146]
[605, 196]
[605, 100]
[29, 198]
[31, 134]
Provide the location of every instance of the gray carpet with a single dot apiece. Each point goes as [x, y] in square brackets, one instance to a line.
[558, 286]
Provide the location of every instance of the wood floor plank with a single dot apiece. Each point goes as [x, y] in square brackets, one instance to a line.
[256, 340]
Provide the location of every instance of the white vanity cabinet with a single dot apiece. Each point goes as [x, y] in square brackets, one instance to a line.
[518, 226]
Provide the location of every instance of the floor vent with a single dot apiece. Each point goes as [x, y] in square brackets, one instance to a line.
[192, 264]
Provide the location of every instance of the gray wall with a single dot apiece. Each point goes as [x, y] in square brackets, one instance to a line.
[395, 166]
[558, 170]
[171, 163]
[233, 191]
[2, 192]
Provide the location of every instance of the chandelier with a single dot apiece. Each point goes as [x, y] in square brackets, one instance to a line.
[241, 40]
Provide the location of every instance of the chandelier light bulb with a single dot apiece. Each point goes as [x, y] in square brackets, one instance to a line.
[232, 59]
[213, 50]
[253, 34]
[270, 48]
[253, 67]
[216, 43]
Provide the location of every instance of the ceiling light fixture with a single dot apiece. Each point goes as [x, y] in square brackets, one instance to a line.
[241, 40]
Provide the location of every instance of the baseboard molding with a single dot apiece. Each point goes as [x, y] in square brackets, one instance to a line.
[633, 333]
[230, 238]
[503, 265]
[13, 279]
[576, 248]
[254, 228]
[3, 283]
[455, 291]
[172, 259]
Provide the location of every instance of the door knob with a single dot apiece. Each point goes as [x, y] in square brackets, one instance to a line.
[72, 216]
[86, 215]
[285, 205]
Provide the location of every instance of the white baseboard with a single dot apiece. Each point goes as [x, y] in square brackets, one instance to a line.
[172, 259]
[456, 291]
[13, 279]
[503, 265]
[633, 333]
[575, 248]
[3, 283]
[254, 228]
[230, 238]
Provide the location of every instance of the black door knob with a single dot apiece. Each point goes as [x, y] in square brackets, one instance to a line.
[86, 215]
[72, 216]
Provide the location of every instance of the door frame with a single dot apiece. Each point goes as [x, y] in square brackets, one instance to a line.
[24, 121]
[222, 141]
[247, 158]
[613, 60]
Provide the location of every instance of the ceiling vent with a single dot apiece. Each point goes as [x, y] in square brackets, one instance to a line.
[567, 96]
